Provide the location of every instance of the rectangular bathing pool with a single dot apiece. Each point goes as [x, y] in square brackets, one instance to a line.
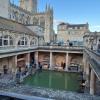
[55, 80]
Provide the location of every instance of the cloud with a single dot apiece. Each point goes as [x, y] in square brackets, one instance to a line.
[94, 27]
[56, 22]
[97, 26]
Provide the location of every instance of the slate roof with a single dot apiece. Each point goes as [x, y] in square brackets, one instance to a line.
[14, 26]
[74, 25]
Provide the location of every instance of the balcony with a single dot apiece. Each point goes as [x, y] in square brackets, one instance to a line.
[94, 60]
[6, 51]
[14, 50]
[62, 48]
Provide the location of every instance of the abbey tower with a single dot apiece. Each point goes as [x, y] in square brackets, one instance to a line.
[29, 5]
[4, 8]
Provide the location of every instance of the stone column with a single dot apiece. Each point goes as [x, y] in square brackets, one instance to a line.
[84, 63]
[67, 58]
[50, 60]
[14, 64]
[87, 69]
[92, 83]
[36, 59]
[87, 76]
[27, 61]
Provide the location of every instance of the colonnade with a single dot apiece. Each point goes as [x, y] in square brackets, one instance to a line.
[90, 77]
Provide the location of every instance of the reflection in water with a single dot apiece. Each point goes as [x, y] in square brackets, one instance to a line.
[50, 80]
[66, 82]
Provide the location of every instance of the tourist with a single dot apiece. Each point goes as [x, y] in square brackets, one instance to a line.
[48, 66]
[5, 69]
[98, 46]
[18, 75]
[70, 44]
[40, 66]
[64, 65]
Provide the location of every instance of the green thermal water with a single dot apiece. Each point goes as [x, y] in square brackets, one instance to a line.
[54, 80]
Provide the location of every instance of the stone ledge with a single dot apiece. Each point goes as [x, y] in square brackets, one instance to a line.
[20, 96]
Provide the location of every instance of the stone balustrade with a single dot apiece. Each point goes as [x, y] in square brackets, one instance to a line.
[62, 48]
[19, 49]
[94, 60]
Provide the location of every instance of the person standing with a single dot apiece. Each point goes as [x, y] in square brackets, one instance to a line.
[64, 65]
[40, 66]
[98, 46]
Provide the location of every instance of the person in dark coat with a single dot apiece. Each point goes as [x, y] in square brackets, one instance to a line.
[64, 65]
[40, 66]
[98, 47]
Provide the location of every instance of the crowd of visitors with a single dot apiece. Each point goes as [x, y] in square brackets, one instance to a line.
[96, 46]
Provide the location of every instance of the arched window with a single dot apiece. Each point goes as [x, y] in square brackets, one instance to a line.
[42, 22]
[33, 42]
[6, 40]
[22, 41]
[35, 21]
[16, 15]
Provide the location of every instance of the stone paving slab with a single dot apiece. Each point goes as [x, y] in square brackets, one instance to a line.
[50, 93]
[20, 96]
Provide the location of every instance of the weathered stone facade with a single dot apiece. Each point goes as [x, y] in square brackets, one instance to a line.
[27, 14]
[71, 32]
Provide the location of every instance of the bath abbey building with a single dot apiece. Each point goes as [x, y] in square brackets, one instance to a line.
[26, 13]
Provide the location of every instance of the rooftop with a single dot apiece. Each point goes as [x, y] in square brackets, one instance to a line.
[74, 25]
[7, 24]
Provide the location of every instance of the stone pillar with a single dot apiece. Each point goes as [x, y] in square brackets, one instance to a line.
[27, 61]
[67, 58]
[92, 83]
[87, 76]
[50, 60]
[84, 63]
[36, 59]
[14, 64]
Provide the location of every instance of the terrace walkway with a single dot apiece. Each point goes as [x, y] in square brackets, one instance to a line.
[94, 59]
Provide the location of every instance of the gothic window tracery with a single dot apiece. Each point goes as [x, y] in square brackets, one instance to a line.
[33, 42]
[35, 21]
[42, 22]
[15, 15]
[22, 41]
[6, 40]
[28, 20]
